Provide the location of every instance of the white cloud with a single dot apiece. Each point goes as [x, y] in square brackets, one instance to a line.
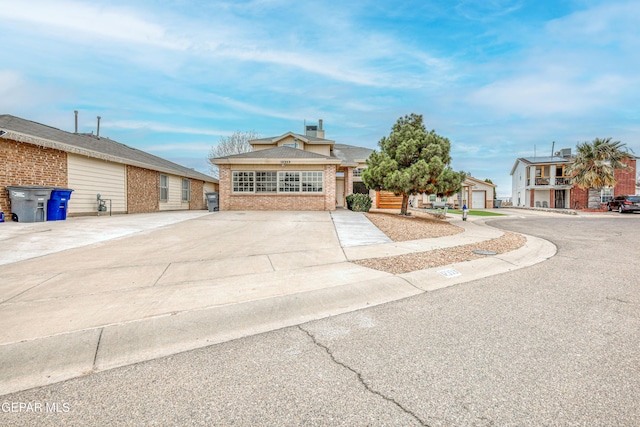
[162, 127]
[603, 24]
[19, 94]
[547, 94]
[581, 65]
[187, 146]
[486, 10]
[334, 47]
[78, 20]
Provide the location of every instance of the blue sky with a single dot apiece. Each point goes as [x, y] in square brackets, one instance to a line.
[499, 78]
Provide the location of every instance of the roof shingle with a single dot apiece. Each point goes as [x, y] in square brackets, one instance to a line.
[94, 146]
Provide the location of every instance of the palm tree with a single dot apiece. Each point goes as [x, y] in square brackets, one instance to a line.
[595, 165]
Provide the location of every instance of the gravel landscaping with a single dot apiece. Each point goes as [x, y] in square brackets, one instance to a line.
[401, 229]
[419, 225]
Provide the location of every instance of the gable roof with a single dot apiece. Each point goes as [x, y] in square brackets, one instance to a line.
[276, 155]
[544, 160]
[305, 138]
[473, 181]
[351, 154]
[30, 132]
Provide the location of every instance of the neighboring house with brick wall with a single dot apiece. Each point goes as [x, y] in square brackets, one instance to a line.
[292, 172]
[545, 182]
[135, 181]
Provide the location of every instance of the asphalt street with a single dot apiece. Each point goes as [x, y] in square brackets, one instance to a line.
[557, 343]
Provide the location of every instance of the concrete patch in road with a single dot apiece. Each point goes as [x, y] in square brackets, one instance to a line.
[301, 259]
[84, 282]
[11, 286]
[192, 271]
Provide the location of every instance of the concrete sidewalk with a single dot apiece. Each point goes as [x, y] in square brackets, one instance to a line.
[188, 280]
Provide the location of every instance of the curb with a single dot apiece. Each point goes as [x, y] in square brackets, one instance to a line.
[57, 358]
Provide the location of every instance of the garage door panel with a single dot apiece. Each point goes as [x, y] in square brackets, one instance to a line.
[479, 200]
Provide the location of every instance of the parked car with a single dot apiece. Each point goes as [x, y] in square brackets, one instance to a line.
[624, 204]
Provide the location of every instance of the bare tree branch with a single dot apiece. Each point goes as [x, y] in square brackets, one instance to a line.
[236, 143]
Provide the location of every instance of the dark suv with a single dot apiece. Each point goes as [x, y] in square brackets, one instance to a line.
[624, 204]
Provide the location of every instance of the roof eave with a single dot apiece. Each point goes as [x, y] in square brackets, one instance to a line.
[303, 138]
[56, 145]
[274, 161]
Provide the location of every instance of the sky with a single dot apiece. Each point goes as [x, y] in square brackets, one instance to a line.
[501, 79]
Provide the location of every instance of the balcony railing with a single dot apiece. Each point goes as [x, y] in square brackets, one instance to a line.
[542, 181]
[549, 181]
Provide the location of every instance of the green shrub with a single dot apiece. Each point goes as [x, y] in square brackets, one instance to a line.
[359, 202]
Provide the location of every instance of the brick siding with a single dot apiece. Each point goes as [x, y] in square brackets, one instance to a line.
[142, 190]
[26, 164]
[626, 185]
[197, 195]
[579, 198]
[293, 202]
[348, 181]
[626, 179]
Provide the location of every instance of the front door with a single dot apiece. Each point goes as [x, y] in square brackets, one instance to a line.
[559, 199]
[340, 193]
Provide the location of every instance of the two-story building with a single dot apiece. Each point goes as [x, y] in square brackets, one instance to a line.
[545, 182]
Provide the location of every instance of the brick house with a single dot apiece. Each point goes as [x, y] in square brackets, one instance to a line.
[544, 182]
[135, 181]
[291, 172]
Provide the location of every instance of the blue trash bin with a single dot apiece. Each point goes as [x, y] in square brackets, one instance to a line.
[58, 204]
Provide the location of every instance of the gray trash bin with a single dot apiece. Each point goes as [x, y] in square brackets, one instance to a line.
[29, 203]
[497, 203]
[213, 201]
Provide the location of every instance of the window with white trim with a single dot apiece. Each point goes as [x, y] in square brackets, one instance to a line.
[432, 197]
[289, 182]
[266, 182]
[164, 188]
[186, 189]
[278, 182]
[243, 182]
[357, 172]
[606, 194]
[312, 182]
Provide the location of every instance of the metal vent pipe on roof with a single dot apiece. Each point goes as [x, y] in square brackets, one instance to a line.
[76, 114]
[319, 124]
[98, 131]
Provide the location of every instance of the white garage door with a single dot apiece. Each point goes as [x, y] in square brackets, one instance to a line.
[478, 201]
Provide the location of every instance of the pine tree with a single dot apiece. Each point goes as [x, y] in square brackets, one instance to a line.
[412, 160]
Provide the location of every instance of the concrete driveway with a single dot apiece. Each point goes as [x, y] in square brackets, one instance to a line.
[553, 344]
[185, 281]
[156, 284]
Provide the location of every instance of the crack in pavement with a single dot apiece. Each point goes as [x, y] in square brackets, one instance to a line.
[360, 379]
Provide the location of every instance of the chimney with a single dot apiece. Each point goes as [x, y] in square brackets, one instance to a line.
[98, 132]
[320, 130]
[76, 114]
